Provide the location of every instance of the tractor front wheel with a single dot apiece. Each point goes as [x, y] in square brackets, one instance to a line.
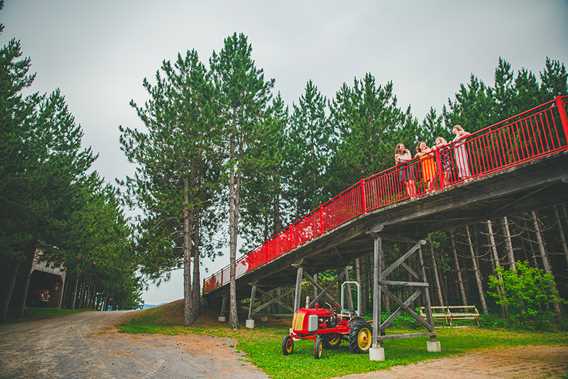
[332, 341]
[318, 347]
[287, 345]
[360, 337]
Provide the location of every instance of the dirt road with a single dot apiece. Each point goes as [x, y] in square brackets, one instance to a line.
[531, 362]
[86, 345]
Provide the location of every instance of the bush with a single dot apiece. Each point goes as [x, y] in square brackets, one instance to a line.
[529, 295]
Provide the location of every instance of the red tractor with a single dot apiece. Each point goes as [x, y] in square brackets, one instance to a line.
[327, 327]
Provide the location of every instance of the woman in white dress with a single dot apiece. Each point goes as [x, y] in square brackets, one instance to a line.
[460, 152]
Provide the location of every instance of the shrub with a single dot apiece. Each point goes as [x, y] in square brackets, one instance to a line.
[528, 294]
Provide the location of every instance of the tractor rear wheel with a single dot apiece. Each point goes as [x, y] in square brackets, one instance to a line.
[318, 347]
[360, 337]
[287, 345]
[332, 341]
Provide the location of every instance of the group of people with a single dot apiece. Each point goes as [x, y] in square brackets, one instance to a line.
[424, 170]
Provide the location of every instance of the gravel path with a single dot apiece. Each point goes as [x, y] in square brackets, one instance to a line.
[520, 362]
[86, 345]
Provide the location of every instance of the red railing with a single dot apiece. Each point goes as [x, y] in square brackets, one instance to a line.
[528, 136]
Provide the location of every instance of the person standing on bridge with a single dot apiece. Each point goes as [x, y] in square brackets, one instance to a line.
[460, 152]
[427, 165]
[402, 158]
[445, 157]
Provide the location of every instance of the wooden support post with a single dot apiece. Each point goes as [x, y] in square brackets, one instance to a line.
[436, 274]
[252, 294]
[476, 271]
[249, 323]
[222, 317]
[425, 291]
[298, 289]
[509, 244]
[458, 268]
[377, 277]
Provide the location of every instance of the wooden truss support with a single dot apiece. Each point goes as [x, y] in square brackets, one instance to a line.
[323, 291]
[381, 285]
[274, 298]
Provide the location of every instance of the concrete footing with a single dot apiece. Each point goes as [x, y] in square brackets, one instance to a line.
[377, 354]
[249, 324]
[433, 346]
[222, 319]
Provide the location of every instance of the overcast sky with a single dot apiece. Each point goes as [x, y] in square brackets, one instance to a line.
[98, 52]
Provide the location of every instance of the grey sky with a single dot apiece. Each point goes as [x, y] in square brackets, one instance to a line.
[98, 52]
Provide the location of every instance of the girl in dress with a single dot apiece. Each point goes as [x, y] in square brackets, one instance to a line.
[445, 158]
[427, 164]
[402, 158]
[460, 152]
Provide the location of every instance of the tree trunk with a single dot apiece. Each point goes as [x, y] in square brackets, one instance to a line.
[543, 254]
[476, 271]
[458, 269]
[187, 253]
[436, 276]
[509, 244]
[74, 305]
[561, 233]
[234, 189]
[277, 221]
[28, 277]
[196, 279]
[497, 264]
[9, 291]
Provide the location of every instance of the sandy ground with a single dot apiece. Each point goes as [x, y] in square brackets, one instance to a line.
[86, 345]
[520, 362]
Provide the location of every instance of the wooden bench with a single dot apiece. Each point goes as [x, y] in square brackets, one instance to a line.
[450, 313]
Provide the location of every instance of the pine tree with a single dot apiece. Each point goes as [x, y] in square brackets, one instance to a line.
[243, 96]
[176, 173]
[472, 107]
[309, 150]
[263, 213]
[554, 80]
[370, 124]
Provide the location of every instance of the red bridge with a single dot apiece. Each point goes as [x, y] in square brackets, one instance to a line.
[499, 169]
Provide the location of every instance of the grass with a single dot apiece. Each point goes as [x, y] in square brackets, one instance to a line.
[262, 345]
[31, 314]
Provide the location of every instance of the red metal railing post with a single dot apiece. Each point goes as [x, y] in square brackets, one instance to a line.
[363, 196]
[320, 213]
[563, 116]
[439, 168]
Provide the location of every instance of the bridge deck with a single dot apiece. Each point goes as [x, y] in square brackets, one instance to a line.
[516, 165]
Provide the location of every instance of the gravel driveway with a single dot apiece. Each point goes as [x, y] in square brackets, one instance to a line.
[86, 345]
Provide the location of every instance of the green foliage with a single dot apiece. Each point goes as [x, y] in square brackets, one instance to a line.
[250, 130]
[529, 294]
[179, 143]
[50, 199]
[369, 123]
[310, 142]
[262, 346]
